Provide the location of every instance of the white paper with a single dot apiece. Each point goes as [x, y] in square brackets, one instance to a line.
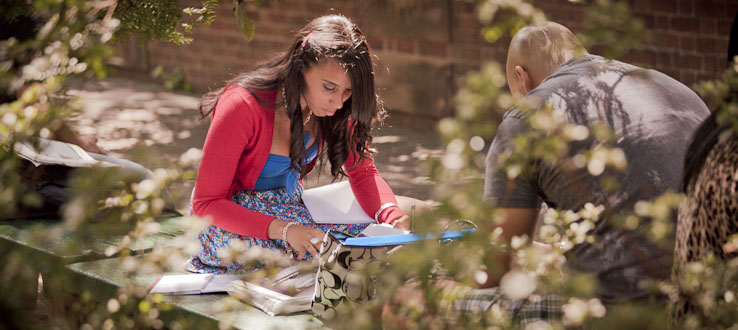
[373, 230]
[181, 284]
[219, 283]
[334, 203]
[194, 283]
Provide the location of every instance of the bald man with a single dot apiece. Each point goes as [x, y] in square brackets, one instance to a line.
[654, 117]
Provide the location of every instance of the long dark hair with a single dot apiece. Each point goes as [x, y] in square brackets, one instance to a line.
[334, 37]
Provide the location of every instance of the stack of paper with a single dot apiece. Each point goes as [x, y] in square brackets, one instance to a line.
[193, 283]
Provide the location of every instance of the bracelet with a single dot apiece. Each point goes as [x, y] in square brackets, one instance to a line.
[382, 208]
[284, 230]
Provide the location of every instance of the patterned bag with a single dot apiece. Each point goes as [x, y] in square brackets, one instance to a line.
[338, 274]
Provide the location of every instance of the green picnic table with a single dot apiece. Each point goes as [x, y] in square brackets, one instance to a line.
[102, 278]
[52, 241]
[80, 256]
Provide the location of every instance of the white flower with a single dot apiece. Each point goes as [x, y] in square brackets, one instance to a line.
[517, 285]
[145, 188]
[453, 162]
[191, 157]
[596, 309]
[575, 312]
[480, 277]
[476, 143]
[539, 325]
[518, 242]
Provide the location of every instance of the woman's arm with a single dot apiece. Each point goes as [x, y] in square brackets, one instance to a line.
[371, 191]
[232, 127]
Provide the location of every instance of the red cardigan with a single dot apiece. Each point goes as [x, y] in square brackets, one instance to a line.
[237, 147]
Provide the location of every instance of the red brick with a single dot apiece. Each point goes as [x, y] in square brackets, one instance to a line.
[661, 22]
[464, 6]
[567, 14]
[406, 46]
[685, 7]
[710, 65]
[466, 53]
[684, 24]
[434, 48]
[664, 6]
[641, 6]
[670, 72]
[663, 60]
[666, 40]
[702, 77]
[688, 78]
[687, 43]
[707, 8]
[375, 42]
[693, 62]
[723, 27]
[731, 10]
[708, 25]
[711, 45]
[649, 21]
[641, 57]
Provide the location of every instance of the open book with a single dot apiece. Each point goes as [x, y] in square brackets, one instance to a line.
[289, 291]
[51, 152]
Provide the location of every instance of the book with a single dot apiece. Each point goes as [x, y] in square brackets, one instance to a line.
[51, 152]
[291, 290]
[334, 203]
[193, 283]
[399, 239]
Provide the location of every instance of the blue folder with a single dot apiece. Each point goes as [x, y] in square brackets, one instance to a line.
[403, 239]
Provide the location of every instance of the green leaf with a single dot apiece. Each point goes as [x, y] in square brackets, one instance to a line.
[245, 24]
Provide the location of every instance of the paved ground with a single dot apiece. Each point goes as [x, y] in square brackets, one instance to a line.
[138, 119]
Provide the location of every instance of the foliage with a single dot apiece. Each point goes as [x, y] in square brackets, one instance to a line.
[426, 268]
[161, 19]
[74, 40]
[174, 80]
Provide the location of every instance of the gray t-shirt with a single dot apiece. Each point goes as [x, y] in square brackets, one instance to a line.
[654, 117]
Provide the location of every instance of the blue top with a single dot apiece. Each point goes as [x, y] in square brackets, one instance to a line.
[277, 172]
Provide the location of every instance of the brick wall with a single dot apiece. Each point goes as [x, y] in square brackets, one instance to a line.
[424, 48]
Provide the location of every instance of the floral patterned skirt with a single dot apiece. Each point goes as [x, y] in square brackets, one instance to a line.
[275, 202]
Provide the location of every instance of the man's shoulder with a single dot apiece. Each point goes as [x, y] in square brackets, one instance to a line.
[514, 113]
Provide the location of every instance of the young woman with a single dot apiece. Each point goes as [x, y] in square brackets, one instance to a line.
[269, 128]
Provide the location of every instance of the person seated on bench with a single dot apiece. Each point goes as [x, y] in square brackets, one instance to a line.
[654, 117]
[50, 181]
[269, 128]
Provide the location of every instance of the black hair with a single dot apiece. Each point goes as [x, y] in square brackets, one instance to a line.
[349, 129]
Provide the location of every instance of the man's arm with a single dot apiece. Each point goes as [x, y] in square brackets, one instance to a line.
[87, 142]
[518, 200]
[517, 222]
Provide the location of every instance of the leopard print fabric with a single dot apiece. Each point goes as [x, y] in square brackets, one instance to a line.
[710, 215]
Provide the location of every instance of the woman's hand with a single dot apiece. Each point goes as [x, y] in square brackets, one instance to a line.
[302, 239]
[402, 223]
